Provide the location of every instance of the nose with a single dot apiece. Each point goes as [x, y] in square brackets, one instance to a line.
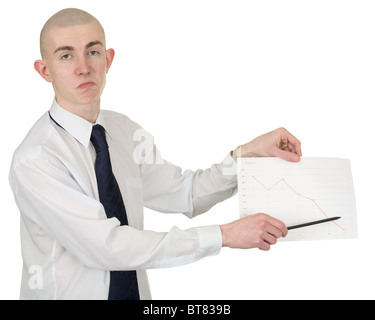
[83, 67]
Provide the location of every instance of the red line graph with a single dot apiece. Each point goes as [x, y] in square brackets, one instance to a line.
[297, 193]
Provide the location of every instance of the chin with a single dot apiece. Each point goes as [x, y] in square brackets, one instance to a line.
[88, 98]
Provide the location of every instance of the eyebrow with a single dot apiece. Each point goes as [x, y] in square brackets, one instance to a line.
[64, 48]
[70, 48]
[94, 43]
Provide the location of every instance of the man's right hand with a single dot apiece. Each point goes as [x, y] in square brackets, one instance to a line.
[255, 231]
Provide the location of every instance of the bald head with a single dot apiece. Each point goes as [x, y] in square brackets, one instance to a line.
[64, 19]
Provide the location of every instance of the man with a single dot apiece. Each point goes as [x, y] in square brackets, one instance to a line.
[72, 247]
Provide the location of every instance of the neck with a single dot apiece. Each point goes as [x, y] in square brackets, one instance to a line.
[88, 111]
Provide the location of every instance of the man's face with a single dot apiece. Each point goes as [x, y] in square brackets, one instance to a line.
[76, 63]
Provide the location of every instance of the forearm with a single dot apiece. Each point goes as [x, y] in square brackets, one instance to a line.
[213, 185]
[168, 189]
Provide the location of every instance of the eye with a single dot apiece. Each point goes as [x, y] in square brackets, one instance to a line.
[94, 53]
[66, 57]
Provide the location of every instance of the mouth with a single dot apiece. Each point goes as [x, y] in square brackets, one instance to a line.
[86, 85]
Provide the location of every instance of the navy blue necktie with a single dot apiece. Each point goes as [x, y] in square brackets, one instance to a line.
[124, 284]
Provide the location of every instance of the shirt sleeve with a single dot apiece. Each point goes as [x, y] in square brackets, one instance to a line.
[58, 211]
[169, 189]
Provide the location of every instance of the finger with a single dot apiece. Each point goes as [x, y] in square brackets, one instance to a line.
[276, 227]
[275, 232]
[294, 143]
[270, 239]
[264, 246]
[291, 148]
[285, 155]
[289, 141]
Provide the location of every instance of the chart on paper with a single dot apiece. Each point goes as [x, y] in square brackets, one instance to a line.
[312, 189]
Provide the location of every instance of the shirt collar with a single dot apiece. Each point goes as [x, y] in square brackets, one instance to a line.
[78, 127]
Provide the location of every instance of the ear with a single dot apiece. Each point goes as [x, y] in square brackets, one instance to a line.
[110, 55]
[41, 67]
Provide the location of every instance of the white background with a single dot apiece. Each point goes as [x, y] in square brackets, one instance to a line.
[204, 76]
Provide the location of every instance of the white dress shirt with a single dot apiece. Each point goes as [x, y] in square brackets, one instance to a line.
[68, 243]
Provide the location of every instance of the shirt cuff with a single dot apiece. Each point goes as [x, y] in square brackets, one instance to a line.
[210, 241]
[228, 168]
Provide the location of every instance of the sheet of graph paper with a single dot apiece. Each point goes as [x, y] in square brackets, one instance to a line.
[296, 193]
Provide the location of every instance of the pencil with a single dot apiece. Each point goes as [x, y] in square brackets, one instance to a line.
[312, 223]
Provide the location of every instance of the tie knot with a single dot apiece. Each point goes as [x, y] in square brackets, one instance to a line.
[98, 138]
